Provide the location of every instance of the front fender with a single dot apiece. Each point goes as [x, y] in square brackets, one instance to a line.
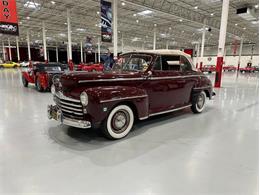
[103, 99]
[43, 80]
[28, 77]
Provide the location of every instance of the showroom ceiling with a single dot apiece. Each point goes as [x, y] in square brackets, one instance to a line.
[179, 22]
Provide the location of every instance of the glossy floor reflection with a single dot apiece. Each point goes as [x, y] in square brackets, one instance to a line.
[215, 152]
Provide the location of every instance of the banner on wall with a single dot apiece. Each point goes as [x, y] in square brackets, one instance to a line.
[88, 45]
[8, 18]
[106, 21]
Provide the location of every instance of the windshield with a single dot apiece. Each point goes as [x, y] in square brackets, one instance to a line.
[133, 62]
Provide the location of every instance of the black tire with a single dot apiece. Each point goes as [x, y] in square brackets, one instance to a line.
[38, 85]
[210, 72]
[198, 102]
[118, 123]
[25, 82]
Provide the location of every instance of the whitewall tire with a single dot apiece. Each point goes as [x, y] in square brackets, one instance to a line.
[119, 122]
[199, 102]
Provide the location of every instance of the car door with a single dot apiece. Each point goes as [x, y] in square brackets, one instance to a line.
[191, 77]
[166, 85]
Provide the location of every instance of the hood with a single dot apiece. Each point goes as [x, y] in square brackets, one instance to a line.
[89, 79]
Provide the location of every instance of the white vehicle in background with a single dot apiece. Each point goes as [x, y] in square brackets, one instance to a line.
[24, 64]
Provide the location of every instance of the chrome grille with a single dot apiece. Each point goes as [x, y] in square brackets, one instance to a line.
[71, 108]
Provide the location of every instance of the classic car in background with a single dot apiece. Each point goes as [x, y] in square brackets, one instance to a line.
[229, 68]
[249, 69]
[41, 74]
[9, 65]
[24, 64]
[91, 67]
[141, 85]
[208, 68]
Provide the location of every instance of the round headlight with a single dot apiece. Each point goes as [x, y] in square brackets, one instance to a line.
[53, 91]
[84, 98]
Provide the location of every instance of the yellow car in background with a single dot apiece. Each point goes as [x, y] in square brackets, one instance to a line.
[9, 65]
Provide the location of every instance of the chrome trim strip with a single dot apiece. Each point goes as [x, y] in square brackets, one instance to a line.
[63, 97]
[143, 118]
[134, 79]
[107, 80]
[125, 98]
[168, 111]
[68, 104]
[71, 112]
[202, 87]
[70, 108]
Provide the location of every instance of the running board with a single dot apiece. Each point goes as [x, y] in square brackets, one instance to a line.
[164, 112]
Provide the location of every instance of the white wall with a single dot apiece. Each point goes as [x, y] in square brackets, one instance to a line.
[231, 60]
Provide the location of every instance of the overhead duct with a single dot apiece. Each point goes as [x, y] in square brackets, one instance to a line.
[247, 13]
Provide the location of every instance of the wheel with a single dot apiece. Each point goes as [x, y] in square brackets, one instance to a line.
[25, 82]
[38, 85]
[119, 122]
[198, 104]
[210, 72]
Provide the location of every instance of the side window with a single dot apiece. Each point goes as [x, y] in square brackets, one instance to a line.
[158, 64]
[185, 64]
[171, 63]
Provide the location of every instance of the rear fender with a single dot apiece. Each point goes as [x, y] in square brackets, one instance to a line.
[103, 99]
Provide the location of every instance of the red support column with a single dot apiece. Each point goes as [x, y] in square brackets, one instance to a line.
[219, 72]
[222, 41]
[71, 65]
[201, 64]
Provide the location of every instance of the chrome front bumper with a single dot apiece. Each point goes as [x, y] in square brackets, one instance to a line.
[56, 114]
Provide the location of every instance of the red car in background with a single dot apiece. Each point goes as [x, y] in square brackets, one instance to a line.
[41, 74]
[229, 68]
[91, 67]
[249, 69]
[208, 68]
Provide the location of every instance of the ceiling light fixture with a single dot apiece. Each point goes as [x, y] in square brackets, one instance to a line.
[145, 12]
[53, 2]
[137, 21]
[123, 3]
[134, 15]
[180, 20]
[31, 5]
[81, 29]
[98, 12]
[28, 18]
[196, 7]
[236, 24]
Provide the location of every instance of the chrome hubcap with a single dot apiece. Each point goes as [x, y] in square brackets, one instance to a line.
[201, 101]
[120, 121]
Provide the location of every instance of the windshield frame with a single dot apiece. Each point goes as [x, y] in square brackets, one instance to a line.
[130, 56]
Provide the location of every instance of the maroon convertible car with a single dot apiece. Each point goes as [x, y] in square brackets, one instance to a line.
[141, 84]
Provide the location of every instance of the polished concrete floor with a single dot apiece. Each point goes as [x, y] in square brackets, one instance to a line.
[213, 153]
